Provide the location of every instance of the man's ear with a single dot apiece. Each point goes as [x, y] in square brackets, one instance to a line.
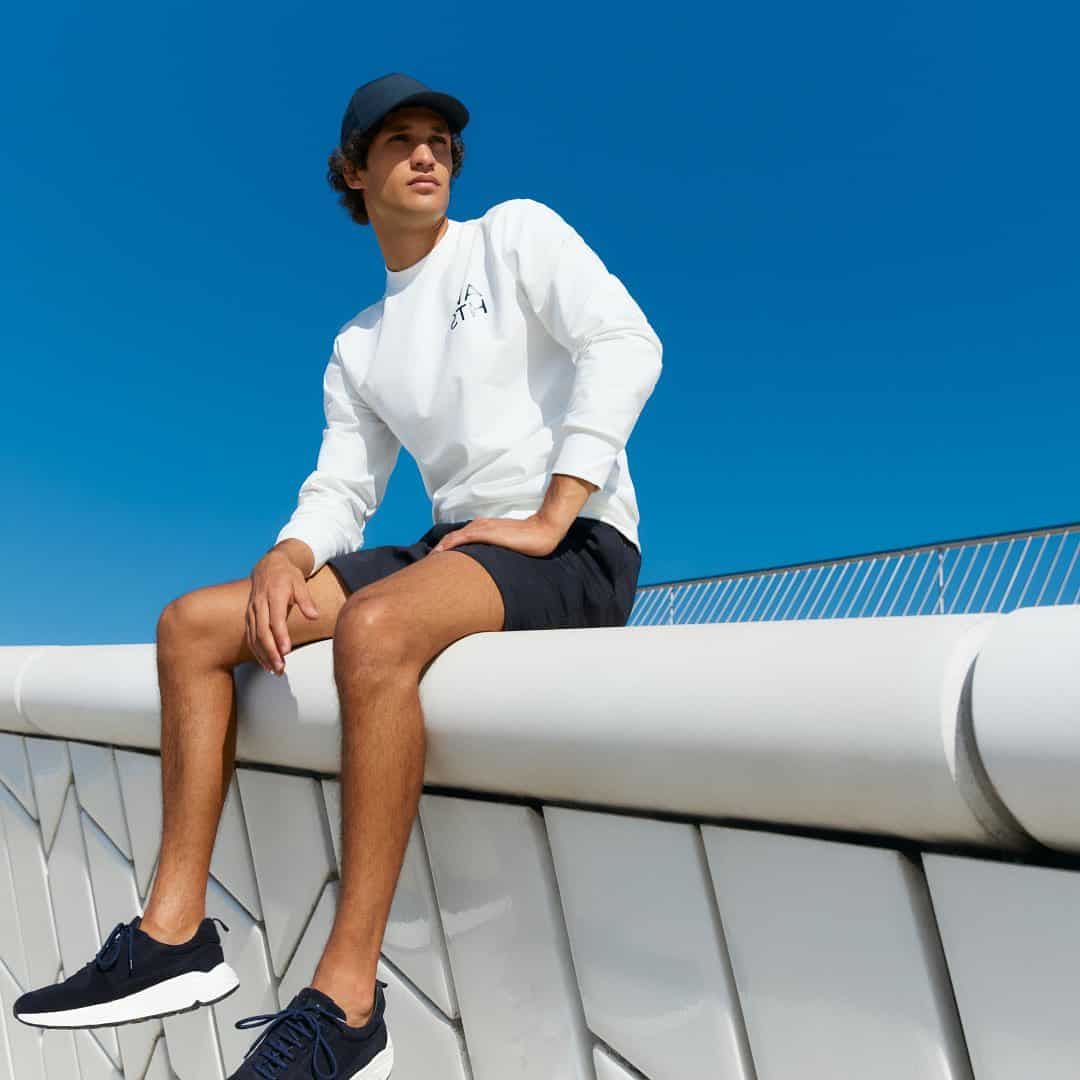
[352, 176]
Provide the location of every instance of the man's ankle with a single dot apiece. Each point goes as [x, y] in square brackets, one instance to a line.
[170, 931]
[356, 1020]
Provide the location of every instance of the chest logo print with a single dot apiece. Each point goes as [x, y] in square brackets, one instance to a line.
[470, 304]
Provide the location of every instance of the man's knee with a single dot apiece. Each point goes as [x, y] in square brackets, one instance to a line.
[373, 636]
[202, 616]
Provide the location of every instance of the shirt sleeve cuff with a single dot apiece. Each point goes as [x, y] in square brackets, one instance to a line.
[587, 456]
[322, 547]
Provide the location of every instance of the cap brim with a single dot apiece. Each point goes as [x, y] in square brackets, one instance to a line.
[457, 116]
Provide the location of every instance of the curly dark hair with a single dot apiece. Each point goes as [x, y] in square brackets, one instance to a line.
[355, 151]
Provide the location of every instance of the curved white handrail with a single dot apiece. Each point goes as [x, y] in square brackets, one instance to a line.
[1026, 693]
[861, 725]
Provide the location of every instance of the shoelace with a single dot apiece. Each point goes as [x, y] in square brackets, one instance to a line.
[290, 1029]
[113, 945]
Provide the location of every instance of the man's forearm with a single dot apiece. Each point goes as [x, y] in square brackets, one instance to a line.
[564, 498]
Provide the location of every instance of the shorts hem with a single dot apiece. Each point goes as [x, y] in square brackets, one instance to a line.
[504, 590]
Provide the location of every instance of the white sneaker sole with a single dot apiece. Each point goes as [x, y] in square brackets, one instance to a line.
[179, 994]
[378, 1068]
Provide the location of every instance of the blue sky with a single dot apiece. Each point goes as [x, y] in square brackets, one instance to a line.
[854, 227]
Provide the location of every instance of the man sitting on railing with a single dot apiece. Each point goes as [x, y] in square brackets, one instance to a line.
[513, 366]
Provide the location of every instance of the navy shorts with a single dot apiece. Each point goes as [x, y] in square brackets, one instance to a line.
[589, 579]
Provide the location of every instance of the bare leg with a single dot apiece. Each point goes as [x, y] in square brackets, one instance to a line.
[200, 639]
[386, 635]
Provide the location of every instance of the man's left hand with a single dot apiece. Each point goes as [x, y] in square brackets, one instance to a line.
[533, 535]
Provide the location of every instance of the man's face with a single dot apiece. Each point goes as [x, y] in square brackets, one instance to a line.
[413, 143]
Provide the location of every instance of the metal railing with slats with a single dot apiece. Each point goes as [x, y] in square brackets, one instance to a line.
[988, 573]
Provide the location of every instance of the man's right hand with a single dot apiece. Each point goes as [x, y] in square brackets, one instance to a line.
[276, 584]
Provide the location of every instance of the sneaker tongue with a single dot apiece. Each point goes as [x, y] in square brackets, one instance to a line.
[309, 993]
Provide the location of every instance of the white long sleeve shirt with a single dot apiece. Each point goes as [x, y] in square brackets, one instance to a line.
[506, 354]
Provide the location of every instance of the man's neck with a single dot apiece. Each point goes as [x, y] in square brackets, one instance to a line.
[402, 248]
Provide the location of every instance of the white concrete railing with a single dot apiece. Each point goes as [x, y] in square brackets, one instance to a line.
[831, 848]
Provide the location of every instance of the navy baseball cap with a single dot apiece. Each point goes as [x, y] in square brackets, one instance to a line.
[372, 101]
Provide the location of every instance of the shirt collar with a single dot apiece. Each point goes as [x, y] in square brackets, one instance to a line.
[396, 280]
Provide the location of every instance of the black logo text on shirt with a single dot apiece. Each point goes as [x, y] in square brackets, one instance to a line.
[470, 303]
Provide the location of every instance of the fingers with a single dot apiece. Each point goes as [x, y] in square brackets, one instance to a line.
[253, 634]
[461, 536]
[302, 596]
[278, 605]
[268, 650]
[275, 588]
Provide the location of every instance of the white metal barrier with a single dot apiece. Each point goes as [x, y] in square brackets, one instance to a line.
[819, 849]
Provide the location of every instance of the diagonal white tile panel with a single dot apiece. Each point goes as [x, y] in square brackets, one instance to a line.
[7, 1063]
[837, 959]
[24, 1042]
[609, 1067]
[50, 764]
[73, 900]
[331, 790]
[111, 879]
[292, 854]
[73, 905]
[14, 771]
[99, 790]
[426, 1045]
[12, 951]
[504, 929]
[231, 862]
[1012, 938]
[93, 1062]
[308, 953]
[61, 1057]
[245, 949]
[159, 1063]
[193, 1045]
[140, 788]
[648, 948]
[116, 901]
[414, 939]
[29, 874]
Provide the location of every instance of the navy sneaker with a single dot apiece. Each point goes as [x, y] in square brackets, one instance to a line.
[153, 980]
[309, 1040]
